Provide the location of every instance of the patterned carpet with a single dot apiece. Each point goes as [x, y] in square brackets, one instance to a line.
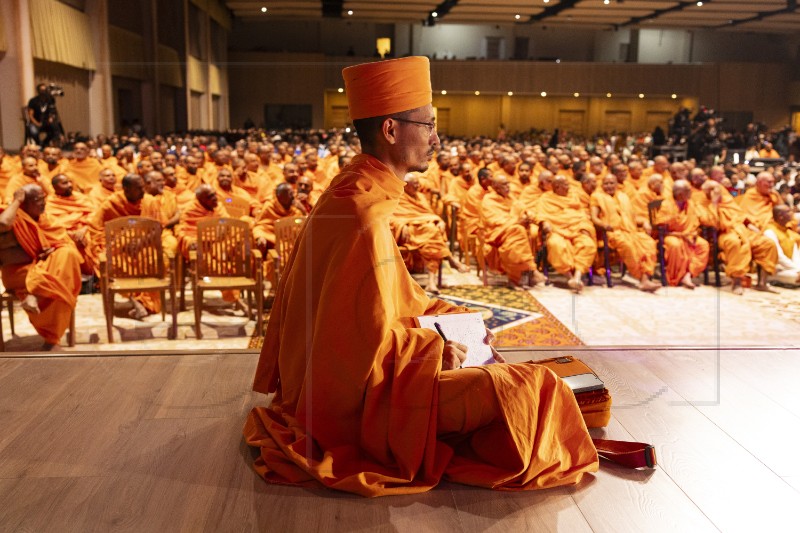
[515, 317]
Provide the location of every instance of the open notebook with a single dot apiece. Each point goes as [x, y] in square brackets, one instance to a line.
[466, 328]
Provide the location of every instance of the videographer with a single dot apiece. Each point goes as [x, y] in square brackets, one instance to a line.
[43, 115]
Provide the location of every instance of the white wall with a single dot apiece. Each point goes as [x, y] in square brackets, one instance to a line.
[608, 45]
[664, 46]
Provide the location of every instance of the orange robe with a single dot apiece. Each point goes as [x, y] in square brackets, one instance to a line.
[511, 244]
[640, 202]
[758, 207]
[737, 243]
[7, 169]
[113, 164]
[384, 419]
[424, 236]
[186, 230]
[637, 249]
[19, 180]
[166, 204]
[84, 174]
[47, 174]
[99, 194]
[257, 184]
[265, 225]
[56, 281]
[571, 244]
[225, 197]
[687, 252]
[73, 212]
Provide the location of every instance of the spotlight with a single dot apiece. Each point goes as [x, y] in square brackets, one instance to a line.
[264, 9]
[576, 94]
[477, 93]
[608, 95]
[558, 61]
[340, 90]
[699, 4]
[444, 92]
[350, 12]
[347, 129]
[606, 2]
[510, 93]
[434, 14]
[517, 17]
[674, 96]
[543, 94]
[641, 95]
[546, 1]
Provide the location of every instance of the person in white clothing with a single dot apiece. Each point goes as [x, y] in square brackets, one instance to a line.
[786, 240]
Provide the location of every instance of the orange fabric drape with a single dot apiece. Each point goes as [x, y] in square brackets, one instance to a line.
[424, 235]
[84, 174]
[361, 405]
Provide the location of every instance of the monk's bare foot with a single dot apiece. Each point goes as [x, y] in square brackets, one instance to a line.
[575, 285]
[47, 347]
[433, 289]
[537, 278]
[138, 312]
[458, 265]
[239, 305]
[649, 286]
[736, 287]
[31, 304]
[765, 288]
[686, 281]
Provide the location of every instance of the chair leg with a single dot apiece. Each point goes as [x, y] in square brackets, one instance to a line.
[198, 309]
[174, 305]
[11, 315]
[109, 306]
[260, 310]
[162, 295]
[441, 263]
[71, 333]
[180, 276]
[2, 341]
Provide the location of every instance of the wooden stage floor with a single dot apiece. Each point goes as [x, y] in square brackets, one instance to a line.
[153, 443]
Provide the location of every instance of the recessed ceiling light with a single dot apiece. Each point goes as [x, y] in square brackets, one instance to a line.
[543, 94]
[347, 130]
[350, 12]
[606, 2]
[674, 96]
[546, 1]
[444, 92]
[558, 61]
[477, 93]
[264, 9]
[608, 95]
[641, 95]
[517, 17]
[434, 14]
[510, 93]
[576, 94]
[340, 90]
[699, 4]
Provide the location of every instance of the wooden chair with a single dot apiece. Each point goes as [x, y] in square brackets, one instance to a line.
[711, 234]
[236, 207]
[7, 299]
[286, 232]
[661, 232]
[134, 262]
[226, 261]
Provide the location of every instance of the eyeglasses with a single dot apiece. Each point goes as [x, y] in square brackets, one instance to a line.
[430, 125]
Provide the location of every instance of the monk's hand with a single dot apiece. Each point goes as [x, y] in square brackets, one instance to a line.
[647, 227]
[46, 252]
[19, 195]
[489, 339]
[453, 355]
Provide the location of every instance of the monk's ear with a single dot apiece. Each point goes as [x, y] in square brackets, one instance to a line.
[389, 131]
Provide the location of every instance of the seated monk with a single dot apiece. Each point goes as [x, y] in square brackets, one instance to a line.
[307, 195]
[469, 214]
[685, 252]
[787, 244]
[531, 194]
[30, 174]
[586, 190]
[459, 186]
[612, 212]
[84, 171]
[227, 191]
[570, 234]
[72, 210]
[7, 169]
[131, 201]
[506, 224]
[254, 180]
[739, 241]
[54, 163]
[40, 264]
[757, 202]
[190, 177]
[283, 205]
[166, 204]
[652, 190]
[103, 190]
[418, 228]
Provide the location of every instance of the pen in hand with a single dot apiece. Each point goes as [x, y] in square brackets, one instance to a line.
[439, 329]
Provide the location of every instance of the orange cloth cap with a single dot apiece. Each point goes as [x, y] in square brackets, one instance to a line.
[386, 87]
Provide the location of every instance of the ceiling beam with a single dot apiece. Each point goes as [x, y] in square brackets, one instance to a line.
[441, 10]
[332, 8]
[791, 7]
[552, 11]
[655, 14]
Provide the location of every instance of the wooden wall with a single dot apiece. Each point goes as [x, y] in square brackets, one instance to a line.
[258, 78]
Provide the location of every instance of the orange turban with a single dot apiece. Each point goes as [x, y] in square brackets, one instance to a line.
[386, 87]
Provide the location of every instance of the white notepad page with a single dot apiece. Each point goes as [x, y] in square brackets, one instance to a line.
[466, 328]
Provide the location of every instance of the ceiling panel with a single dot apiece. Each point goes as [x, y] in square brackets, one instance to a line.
[584, 13]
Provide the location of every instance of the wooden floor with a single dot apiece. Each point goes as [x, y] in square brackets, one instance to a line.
[153, 443]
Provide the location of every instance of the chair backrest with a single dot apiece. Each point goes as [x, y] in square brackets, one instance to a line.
[133, 248]
[237, 207]
[286, 231]
[223, 248]
[652, 210]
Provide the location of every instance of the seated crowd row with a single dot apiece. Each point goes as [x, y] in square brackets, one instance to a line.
[516, 199]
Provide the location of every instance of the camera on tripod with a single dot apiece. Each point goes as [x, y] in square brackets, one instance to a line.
[55, 90]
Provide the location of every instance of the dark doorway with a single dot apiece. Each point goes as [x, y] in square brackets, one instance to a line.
[280, 116]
